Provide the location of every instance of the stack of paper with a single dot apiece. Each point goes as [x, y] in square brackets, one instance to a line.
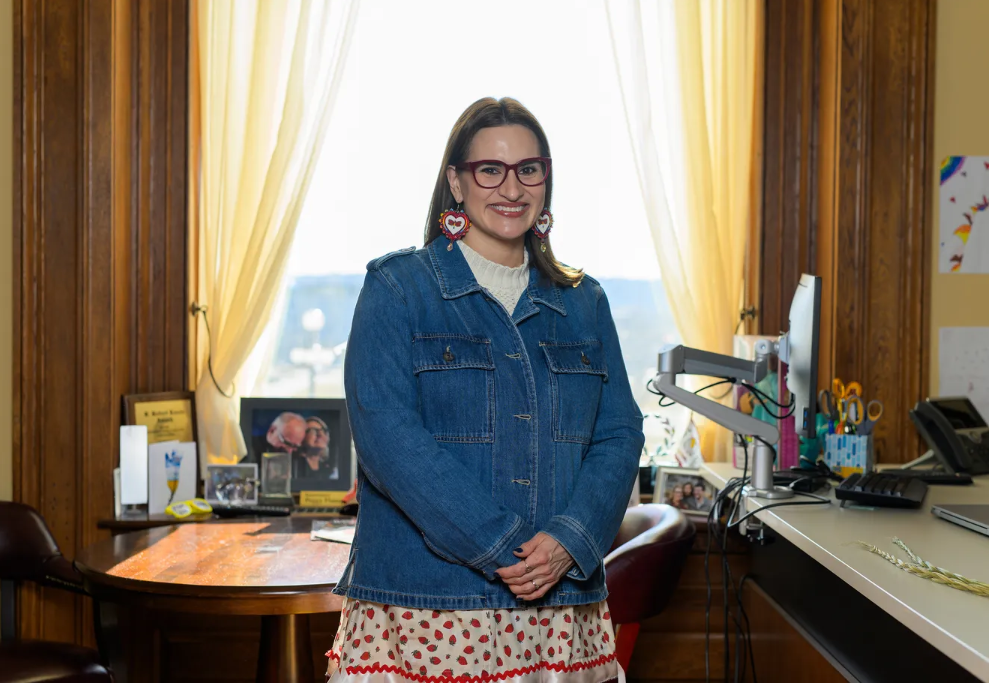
[336, 530]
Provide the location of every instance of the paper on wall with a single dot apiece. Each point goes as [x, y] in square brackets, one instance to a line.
[962, 364]
[963, 215]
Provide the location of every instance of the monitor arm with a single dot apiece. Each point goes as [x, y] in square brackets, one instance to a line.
[682, 360]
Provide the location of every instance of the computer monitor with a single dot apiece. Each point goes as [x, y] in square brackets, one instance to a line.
[803, 332]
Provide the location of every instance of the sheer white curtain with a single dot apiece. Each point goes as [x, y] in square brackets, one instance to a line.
[690, 72]
[265, 75]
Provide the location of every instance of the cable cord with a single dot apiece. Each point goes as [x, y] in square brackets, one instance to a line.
[655, 392]
[763, 399]
[731, 493]
[196, 309]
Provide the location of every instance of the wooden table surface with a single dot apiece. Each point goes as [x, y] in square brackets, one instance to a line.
[244, 566]
[248, 566]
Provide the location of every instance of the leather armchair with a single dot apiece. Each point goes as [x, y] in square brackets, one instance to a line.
[28, 552]
[643, 568]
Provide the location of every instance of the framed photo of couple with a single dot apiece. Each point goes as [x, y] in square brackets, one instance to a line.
[306, 441]
[684, 489]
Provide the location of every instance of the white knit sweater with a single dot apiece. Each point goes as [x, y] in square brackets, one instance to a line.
[506, 284]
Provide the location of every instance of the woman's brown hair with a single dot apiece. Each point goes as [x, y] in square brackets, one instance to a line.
[490, 113]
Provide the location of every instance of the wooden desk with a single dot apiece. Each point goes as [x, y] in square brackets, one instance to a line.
[953, 622]
[266, 567]
[138, 521]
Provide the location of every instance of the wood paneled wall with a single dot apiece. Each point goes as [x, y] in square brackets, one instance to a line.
[846, 191]
[100, 255]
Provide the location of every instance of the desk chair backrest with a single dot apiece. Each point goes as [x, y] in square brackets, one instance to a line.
[28, 552]
[645, 563]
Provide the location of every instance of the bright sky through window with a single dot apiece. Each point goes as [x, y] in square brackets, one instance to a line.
[412, 70]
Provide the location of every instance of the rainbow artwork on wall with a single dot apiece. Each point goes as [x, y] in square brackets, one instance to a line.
[963, 241]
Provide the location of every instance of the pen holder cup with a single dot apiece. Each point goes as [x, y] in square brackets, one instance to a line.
[847, 454]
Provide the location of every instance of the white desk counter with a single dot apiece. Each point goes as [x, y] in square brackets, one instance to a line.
[954, 622]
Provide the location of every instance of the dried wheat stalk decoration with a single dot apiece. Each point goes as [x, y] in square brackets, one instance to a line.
[927, 570]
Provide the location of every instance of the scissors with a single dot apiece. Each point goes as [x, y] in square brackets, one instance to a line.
[874, 411]
[850, 414]
[843, 391]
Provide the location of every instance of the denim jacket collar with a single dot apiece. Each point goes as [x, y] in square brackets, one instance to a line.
[456, 279]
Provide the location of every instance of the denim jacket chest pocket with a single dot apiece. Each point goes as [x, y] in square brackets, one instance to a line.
[454, 372]
[577, 372]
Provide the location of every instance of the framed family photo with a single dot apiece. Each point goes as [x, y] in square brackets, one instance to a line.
[232, 484]
[312, 432]
[684, 489]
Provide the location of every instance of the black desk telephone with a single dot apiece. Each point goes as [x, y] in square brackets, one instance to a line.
[955, 433]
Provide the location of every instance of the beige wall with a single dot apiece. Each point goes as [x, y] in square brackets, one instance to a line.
[6, 243]
[961, 123]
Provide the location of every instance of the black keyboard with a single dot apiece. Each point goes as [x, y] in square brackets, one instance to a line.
[933, 477]
[879, 489]
[251, 510]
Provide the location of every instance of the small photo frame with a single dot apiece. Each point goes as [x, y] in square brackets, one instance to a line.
[232, 484]
[684, 489]
[276, 475]
[313, 432]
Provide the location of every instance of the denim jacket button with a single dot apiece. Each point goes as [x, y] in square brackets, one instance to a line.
[584, 359]
[447, 355]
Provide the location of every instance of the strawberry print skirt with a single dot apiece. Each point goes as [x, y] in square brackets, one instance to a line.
[387, 644]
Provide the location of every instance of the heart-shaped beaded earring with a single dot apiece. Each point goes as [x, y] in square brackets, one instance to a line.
[542, 227]
[454, 223]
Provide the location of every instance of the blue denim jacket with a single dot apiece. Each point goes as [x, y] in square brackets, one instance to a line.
[474, 430]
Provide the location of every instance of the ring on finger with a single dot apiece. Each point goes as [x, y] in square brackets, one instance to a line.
[536, 585]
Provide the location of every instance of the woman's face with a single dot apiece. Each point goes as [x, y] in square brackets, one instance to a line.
[678, 495]
[688, 490]
[316, 435]
[506, 212]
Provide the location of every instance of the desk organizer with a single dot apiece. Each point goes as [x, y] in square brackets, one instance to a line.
[847, 454]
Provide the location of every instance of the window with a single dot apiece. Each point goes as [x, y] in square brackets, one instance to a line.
[399, 104]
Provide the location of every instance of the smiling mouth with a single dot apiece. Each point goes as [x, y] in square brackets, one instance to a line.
[509, 210]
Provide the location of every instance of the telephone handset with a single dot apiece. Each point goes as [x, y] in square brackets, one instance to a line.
[955, 433]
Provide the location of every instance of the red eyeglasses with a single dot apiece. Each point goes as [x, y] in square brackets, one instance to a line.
[489, 173]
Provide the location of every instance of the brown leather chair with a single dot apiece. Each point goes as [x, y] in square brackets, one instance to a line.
[29, 553]
[643, 568]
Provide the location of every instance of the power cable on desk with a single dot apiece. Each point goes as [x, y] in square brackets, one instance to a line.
[732, 524]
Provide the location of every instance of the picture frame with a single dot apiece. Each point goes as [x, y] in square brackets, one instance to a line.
[671, 490]
[232, 484]
[168, 415]
[313, 431]
[276, 475]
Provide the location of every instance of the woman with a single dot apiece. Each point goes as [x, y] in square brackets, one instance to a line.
[313, 459]
[496, 433]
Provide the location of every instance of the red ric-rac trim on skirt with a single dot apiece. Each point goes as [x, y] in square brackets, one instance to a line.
[387, 644]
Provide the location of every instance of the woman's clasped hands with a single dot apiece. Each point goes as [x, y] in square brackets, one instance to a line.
[543, 562]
